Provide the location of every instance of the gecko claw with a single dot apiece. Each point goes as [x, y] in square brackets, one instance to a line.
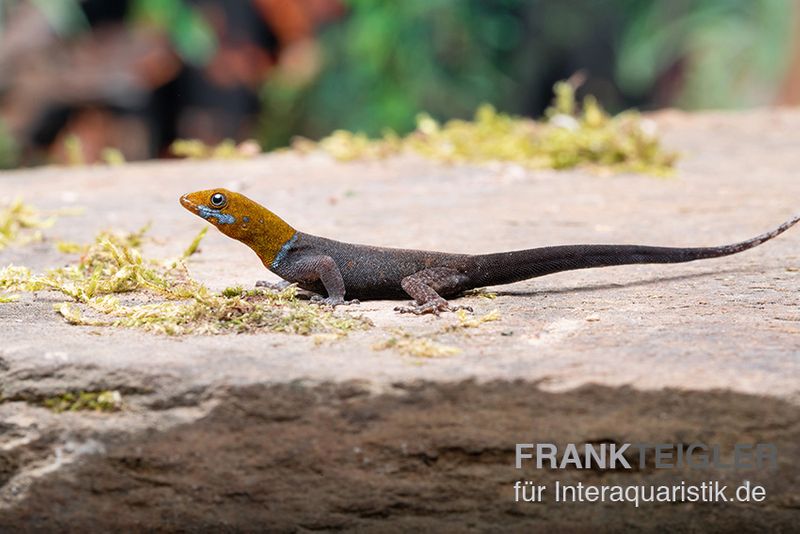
[434, 307]
[333, 302]
[301, 294]
[273, 286]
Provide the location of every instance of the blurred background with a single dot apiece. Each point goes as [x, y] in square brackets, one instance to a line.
[135, 75]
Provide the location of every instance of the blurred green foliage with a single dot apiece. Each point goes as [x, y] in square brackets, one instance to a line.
[64, 16]
[732, 52]
[190, 33]
[385, 62]
[8, 149]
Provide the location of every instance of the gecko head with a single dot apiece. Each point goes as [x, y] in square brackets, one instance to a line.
[232, 213]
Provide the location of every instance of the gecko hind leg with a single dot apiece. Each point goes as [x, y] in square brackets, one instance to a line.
[425, 287]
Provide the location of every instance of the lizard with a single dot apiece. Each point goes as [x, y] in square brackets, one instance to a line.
[333, 270]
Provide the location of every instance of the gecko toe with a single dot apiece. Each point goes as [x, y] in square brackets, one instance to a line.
[332, 301]
[434, 307]
[301, 294]
[273, 286]
[411, 308]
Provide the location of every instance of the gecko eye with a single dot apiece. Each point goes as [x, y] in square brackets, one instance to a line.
[218, 200]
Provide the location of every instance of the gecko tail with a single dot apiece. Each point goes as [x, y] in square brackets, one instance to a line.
[508, 267]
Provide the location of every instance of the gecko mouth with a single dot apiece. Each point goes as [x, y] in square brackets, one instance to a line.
[188, 204]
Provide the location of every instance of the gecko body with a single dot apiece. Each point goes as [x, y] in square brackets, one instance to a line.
[335, 270]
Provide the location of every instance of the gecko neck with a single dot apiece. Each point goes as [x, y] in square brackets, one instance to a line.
[267, 234]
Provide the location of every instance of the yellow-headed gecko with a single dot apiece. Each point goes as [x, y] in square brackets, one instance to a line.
[335, 270]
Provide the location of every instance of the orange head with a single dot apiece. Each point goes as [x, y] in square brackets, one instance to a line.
[238, 217]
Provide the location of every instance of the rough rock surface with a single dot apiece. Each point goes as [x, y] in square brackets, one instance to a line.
[284, 433]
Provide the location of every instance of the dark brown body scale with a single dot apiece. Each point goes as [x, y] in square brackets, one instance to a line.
[374, 272]
[369, 272]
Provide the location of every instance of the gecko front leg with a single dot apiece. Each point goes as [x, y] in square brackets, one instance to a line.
[323, 269]
[424, 287]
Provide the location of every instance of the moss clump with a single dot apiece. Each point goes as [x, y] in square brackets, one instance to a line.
[68, 247]
[418, 346]
[481, 292]
[209, 313]
[21, 224]
[73, 148]
[466, 320]
[13, 278]
[227, 149]
[568, 137]
[95, 401]
[428, 345]
[113, 265]
[235, 291]
[112, 156]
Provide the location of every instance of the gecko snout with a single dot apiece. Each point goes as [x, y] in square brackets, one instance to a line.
[187, 203]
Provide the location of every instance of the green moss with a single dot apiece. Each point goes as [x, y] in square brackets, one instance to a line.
[481, 292]
[13, 278]
[209, 313]
[227, 149]
[21, 224]
[417, 346]
[428, 345]
[568, 137]
[195, 244]
[68, 247]
[95, 401]
[467, 320]
[73, 146]
[113, 265]
[235, 291]
[112, 156]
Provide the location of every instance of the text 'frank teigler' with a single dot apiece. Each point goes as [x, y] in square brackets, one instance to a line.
[640, 455]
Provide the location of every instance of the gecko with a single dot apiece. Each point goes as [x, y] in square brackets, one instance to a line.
[333, 270]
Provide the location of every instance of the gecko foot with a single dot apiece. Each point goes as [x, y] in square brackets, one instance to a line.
[432, 306]
[301, 294]
[274, 286]
[333, 302]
